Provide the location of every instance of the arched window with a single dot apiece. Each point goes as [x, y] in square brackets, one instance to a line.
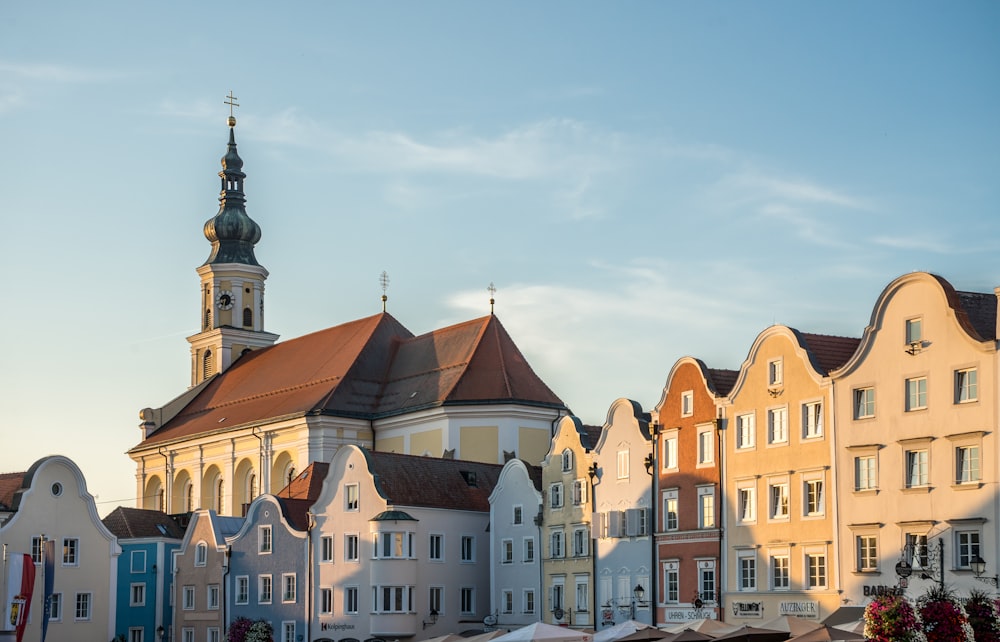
[188, 497]
[219, 494]
[208, 319]
[160, 501]
[567, 460]
[207, 365]
[247, 317]
[251, 487]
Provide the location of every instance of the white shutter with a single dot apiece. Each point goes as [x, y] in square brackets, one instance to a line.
[632, 522]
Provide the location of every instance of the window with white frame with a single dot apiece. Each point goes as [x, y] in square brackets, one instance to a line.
[518, 517]
[745, 437]
[779, 504]
[567, 460]
[326, 549]
[529, 601]
[187, 598]
[556, 596]
[916, 553]
[351, 600]
[622, 464]
[393, 599]
[865, 472]
[213, 597]
[436, 543]
[815, 563]
[582, 594]
[135, 634]
[242, 595]
[351, 546]
[777, 426]
[914, 330]
[507, 551]
[468, 547]
[747, 564]
[55, 607]
[706, 507]
[187, 634]
[435, 599]
[529, 550]
[672, 581]
[71, 551]
[966, 388]
[967, 468]
[866, 547]
[264, 540]
[774, 372]
[670, 516]
[556, 495]
[916, 393]
[507, 601]
[864, 403]
[706, 445]
[780, 571]
[137, 594]
[201, 554]
[687, 403]
[813, 494]
[580, 541]
[394, 544]
[579, 492]
[351, 497]
[263, 589]
[214, 635]
[669, 456]
[556, 542]
[812, 420]
[38, 553]
[706, 580]
[747, 498]
[468, 600]
[288, 631]
[966, 548]
[288, 587]
[917, 468]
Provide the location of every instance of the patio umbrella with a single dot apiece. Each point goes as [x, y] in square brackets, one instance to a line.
[688, 635]
[647, 634]
[542, 632]
[794, 625]
[827, 634]
[858, 626]
[752, 634]
[620, 630]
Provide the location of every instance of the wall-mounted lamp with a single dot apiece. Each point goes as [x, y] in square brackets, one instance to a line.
[979, 567]
[160, 631]
[648, 463]
[154, 569]
[913, 347]
[433, 617]
[592, 471]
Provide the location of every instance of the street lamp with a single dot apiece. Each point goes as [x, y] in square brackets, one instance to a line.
[978, 566]
[637, 594]
[160, 631]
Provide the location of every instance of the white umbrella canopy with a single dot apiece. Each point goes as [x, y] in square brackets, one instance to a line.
[792, 624]
[620, 630]
[703, 625]
[542, 632]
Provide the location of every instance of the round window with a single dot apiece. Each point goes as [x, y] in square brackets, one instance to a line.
[57, 489]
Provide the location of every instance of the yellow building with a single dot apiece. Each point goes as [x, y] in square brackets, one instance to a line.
[779, 444]
[568, 555]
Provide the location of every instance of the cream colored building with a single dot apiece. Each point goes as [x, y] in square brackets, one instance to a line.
[51, 503]
[568, 562]
[917, 422]
[778, 445]
[259, 411]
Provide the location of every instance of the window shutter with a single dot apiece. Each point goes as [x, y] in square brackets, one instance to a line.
[632, 522]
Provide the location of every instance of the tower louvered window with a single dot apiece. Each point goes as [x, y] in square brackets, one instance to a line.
[247, 317]
[207, 365]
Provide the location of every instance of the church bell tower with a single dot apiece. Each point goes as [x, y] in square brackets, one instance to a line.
[231, 301]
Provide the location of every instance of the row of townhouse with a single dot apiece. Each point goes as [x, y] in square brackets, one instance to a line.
[824, 471]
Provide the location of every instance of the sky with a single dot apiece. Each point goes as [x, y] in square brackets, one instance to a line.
[640, 180]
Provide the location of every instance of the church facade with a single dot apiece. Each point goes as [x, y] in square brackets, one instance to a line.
[258, 411]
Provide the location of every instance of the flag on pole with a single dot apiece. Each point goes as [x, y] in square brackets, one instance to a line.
[50, 580]
[20, 585]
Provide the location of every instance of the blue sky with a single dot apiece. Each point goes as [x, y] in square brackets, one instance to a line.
[641, 181]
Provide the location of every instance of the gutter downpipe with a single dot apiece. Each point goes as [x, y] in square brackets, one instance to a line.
[722, 575]
[654, 571]
[310, 524]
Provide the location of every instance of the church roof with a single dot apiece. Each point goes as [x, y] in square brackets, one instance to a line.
[369, 368]
[127, 523]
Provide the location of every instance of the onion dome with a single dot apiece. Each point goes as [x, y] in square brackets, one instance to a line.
[232, 232]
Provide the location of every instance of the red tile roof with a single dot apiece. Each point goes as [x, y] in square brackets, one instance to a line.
[127, 523]
[827, 352]
[308, 484]
[10, 483]
[369, 368]
[409, 480]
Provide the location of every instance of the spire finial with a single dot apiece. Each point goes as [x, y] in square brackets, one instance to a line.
[492, 290]
[383, 280]
[231, 101]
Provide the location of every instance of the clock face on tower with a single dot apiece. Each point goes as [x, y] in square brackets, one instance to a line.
[224, 299]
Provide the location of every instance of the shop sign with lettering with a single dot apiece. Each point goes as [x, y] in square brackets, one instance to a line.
[806, 610]
[686, 614]
[748, 609]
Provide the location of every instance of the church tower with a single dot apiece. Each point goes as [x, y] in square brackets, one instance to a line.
[231, 302]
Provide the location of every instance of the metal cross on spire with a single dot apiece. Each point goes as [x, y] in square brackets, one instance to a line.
[492, 290]
[383, 280]
[231, 101]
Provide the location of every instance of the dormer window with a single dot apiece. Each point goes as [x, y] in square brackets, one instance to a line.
[774, 372]
[914, 330]
[567, 460]
[687, 403]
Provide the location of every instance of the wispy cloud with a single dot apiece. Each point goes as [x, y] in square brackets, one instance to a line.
[58, 74]
[918, 244]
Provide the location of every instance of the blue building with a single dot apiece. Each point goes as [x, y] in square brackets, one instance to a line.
[147, 538]
[268, 572]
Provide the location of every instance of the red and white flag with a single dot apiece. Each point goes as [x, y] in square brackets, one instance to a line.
[20, 584]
